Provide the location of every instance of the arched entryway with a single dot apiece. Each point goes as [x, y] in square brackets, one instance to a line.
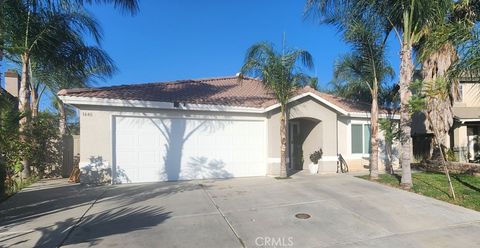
[304, 137]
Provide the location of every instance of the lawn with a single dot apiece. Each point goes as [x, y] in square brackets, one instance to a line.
[467, 188]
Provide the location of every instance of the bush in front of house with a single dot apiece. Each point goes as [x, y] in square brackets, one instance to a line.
[45, 146]
[41, 147]
[316, 155]
[10, 146]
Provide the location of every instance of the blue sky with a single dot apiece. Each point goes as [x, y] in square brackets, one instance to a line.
[186, 39]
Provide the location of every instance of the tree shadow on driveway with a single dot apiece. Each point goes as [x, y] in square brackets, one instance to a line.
[92, 228]
[43, 216]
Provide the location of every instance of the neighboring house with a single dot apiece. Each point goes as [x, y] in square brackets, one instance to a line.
[464, 136]
[212, 128]
[12, 84]
[465, 133]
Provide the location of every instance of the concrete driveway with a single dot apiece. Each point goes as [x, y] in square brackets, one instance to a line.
[252, 212]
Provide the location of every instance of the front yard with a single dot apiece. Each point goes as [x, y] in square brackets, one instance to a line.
[467, 188]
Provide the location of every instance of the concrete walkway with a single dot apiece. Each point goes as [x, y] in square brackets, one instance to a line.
[252, 212]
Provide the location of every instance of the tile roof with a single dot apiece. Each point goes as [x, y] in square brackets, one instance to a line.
[228, 91]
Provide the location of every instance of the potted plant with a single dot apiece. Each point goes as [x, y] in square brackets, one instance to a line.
[314, 157]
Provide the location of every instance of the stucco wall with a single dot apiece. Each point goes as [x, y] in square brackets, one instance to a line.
[332, 133]
[307, 107]
[312, 142]
[342, 129]
[359, 162]
[96, 131]
[96, 135]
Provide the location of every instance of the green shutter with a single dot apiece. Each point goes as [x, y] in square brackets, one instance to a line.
[366, 140]
[357, 145]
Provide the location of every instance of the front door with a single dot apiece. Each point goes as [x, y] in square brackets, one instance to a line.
[293, 144]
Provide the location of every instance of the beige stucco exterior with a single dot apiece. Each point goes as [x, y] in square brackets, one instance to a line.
[326, 129]
[96, 125]
[323, 135]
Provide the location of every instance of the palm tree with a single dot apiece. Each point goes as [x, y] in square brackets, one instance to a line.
[72, 65]
[437, 90]
[366, 67]
[410, 21]
[281, 74]
[439, 55]
[30, 34]
[313, 83]
[31, 28]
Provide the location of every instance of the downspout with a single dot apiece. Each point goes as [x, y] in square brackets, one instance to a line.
[336, 133]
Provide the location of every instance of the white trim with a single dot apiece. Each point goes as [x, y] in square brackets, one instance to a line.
[357, 157]
[265, 147]
[324, 158]
[360, 122]
[78, 100]
[74, 100]
[342, 111]
[468, 120]
[329, 158]
[273, 160]
[349, 138]
[113, 140]
[367, 115]
[195, 117]
[277, 160]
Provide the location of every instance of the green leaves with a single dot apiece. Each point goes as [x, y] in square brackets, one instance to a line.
[280, 72]
[425, 91]
[417, 102]
[362, 72]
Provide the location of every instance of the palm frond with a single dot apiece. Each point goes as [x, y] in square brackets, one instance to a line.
[280, 72]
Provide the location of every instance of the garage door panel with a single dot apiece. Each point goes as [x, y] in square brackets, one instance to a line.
[154, 149]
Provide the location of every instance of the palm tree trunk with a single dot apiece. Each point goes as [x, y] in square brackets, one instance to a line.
[34, 103]
[373, 135]
[406, 74]
[62, 122]
[62, 130]
[283, 143]
[24, 109]
[440, 110]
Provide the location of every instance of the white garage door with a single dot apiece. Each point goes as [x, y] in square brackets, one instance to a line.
[158, 149]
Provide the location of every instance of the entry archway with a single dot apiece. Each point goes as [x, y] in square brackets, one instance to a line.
[304, 137]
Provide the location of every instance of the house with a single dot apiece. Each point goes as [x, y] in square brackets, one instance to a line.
[212, 128]
[465, 133]
[12, 85]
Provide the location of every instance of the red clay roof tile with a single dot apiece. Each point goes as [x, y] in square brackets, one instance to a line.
[228, 91]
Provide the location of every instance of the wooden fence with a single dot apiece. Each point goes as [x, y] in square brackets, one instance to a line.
[71, 148]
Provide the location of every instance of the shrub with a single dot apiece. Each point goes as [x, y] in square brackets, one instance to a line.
[45, 146]
[315, 156]
[11, 149]
[42, 147]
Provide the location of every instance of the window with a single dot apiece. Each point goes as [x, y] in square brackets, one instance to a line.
[459, 98]
[361, 139]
